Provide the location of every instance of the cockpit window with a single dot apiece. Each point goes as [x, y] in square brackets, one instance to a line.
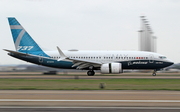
[162, 57]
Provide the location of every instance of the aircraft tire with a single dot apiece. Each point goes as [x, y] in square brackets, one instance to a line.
[90, 73]
[154, 74]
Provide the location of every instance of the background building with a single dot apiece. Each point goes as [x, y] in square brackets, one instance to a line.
[147, 42]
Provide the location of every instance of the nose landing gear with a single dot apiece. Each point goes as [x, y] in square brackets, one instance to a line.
[154, 73]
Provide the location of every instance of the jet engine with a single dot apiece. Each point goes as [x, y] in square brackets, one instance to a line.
[114, 68]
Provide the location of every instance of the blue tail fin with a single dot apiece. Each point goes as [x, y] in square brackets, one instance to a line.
[22, 40]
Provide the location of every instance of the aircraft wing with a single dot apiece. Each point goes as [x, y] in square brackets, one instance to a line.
[84, 63]
[79, 63]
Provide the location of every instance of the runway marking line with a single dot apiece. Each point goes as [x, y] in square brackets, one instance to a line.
[1, 107]
[35, 100]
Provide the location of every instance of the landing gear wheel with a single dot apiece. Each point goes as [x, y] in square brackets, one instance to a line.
[154, 73]
[90, 73]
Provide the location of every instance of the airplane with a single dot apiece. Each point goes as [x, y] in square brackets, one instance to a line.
[108, 62]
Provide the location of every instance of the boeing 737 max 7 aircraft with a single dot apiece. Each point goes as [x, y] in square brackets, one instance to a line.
[105, 61]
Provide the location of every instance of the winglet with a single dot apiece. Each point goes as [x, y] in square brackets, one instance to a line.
[62, 55]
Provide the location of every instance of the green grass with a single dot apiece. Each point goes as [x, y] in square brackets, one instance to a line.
[89, 84]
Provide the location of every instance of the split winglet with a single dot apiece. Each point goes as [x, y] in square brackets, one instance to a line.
[62, 55]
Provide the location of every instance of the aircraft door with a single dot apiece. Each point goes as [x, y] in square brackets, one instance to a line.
[151, 58]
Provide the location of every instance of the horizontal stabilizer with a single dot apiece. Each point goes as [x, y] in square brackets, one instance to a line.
[15, 52]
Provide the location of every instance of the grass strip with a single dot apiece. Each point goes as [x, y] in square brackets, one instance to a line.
[89, 84]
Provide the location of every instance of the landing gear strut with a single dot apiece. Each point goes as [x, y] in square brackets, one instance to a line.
[90, 73]
[154, 73]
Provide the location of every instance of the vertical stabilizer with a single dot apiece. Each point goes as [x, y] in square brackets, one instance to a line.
[22, 40]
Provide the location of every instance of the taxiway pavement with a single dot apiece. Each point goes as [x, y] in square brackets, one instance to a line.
[94, 98]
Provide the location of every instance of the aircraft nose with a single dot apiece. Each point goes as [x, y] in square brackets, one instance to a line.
[170, 62]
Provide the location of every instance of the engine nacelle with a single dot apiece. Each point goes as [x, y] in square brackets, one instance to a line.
[114, 68]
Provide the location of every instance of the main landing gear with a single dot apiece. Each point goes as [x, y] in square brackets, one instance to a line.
[90, 73]
[154, 73]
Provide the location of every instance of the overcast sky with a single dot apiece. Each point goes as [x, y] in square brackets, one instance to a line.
[91, 24]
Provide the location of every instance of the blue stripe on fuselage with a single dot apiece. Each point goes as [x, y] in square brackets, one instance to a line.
[44, 61]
